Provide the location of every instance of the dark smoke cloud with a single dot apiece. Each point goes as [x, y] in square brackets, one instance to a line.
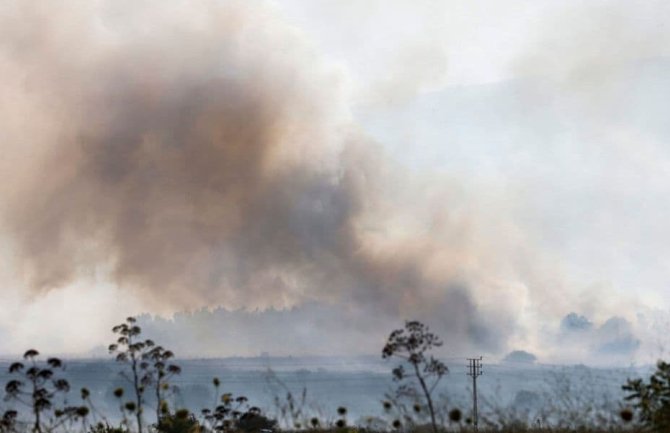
[202, 156]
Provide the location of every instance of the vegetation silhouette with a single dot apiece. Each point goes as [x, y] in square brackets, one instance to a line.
[131, 350]
[413, 344]
[37, 387]
[292, 408]
[651, 399]
[159, 374]
[40, 392]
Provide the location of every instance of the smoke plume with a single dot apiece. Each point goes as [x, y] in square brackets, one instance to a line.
[203, 156]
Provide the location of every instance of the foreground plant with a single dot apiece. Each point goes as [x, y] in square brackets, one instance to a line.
[159, 374]
[131, 350]
[651, 399]
[38, 387]
[292, 410]
[413, 344]
[233, 414]
[182, 421]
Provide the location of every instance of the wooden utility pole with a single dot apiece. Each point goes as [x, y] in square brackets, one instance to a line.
[474, 371]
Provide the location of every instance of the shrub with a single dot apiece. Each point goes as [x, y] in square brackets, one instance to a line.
[182, 421]
[233, 413]
[253, 421]
[652, 398]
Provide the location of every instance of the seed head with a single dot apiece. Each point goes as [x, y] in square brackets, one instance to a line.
[455, 415]
[626, 415]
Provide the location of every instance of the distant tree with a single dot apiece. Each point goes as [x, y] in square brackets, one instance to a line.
[520, 357]
[652, 399]
[413, 345]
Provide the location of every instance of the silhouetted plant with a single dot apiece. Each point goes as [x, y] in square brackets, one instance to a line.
[182, 421]
[396, 405]
[412, 344]
[217, 383]
[104, 427]
[131, 350]
[37, 389]
[293, 410]
[97, 416]
[159, 375]
[8, 421]
[652, 398]
[626, 415]
[231, 413]
[253, 421]
[38, 385]
[342, 421]
[455, 415]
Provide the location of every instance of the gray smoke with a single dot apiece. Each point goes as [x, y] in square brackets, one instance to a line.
[203, 156]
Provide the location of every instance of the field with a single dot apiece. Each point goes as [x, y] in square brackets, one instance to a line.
[297, 390]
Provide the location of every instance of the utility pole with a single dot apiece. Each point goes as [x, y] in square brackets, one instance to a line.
[474, 371]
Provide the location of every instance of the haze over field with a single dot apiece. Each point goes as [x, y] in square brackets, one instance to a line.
[301, 177]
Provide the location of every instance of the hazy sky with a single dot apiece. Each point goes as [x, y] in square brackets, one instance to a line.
[502, 162]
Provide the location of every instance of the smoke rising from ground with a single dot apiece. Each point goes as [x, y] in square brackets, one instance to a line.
[203, 156]
[179, 156]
